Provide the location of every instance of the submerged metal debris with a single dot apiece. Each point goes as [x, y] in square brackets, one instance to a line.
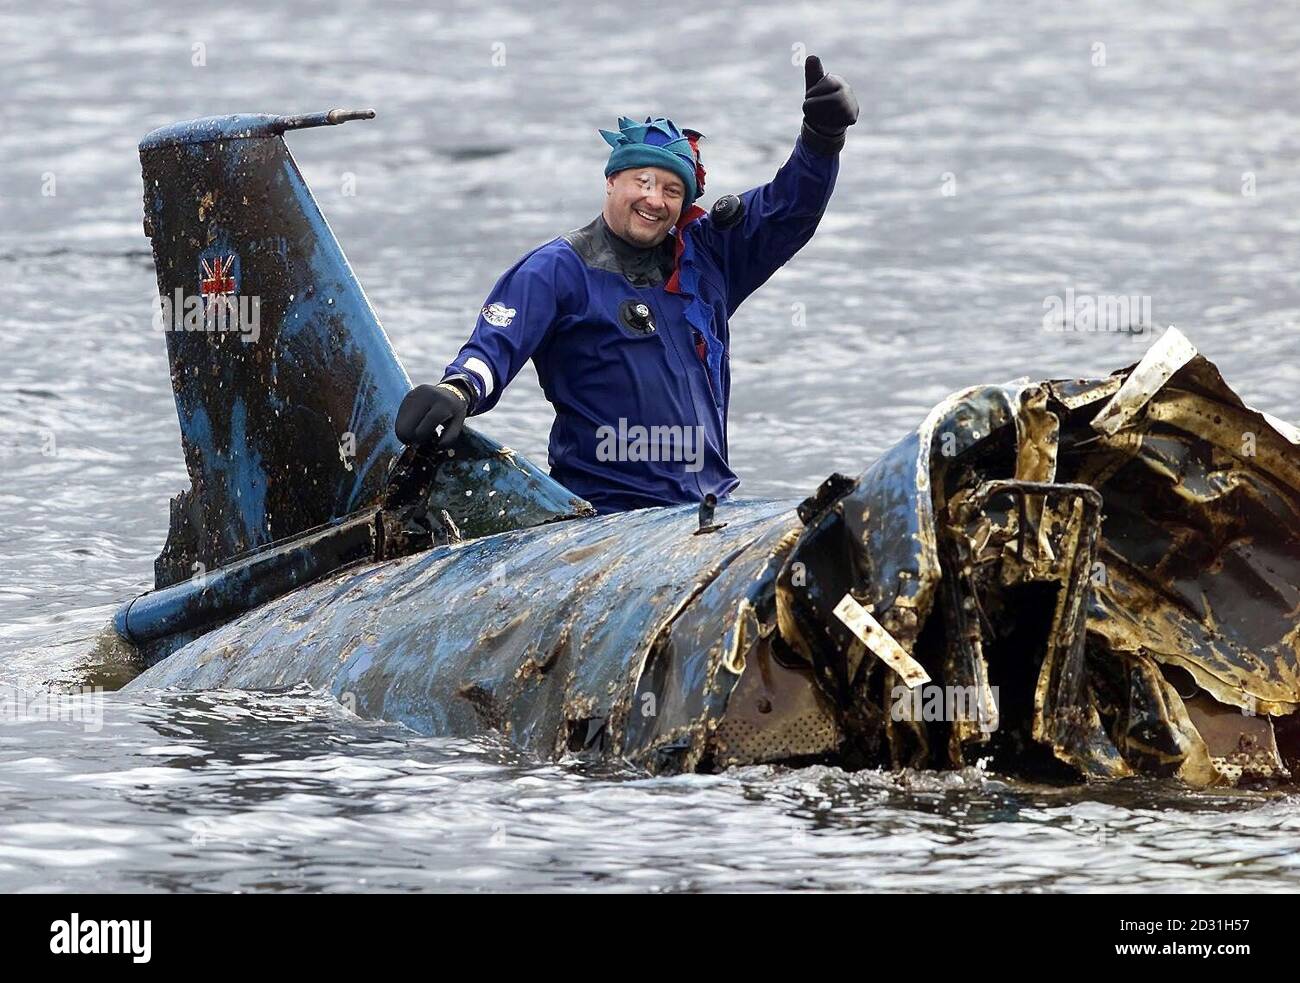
[1073, 578]
[1068, 594]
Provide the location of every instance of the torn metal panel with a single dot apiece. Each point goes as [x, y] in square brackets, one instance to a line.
[1194, 564]
[1074, 393]
[1238, 744]
[879, 642]
[1169, 354]
[777, 712]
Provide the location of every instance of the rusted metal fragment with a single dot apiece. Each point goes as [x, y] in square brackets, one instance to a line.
[879, 642]
[878, 540]
[965, 665]
[1037, 435]
[1158, 737]
[1074, 393]
[1169, 354]
[1201, 550]
[776, 713]
[1196, 564]
[1240, 745]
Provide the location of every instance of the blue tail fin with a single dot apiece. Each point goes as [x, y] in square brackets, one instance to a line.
[285, 383]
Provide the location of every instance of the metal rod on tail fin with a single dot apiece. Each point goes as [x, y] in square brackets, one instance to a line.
[331, 117]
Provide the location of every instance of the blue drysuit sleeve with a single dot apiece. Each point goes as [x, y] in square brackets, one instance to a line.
[513, 323]
[780, 217]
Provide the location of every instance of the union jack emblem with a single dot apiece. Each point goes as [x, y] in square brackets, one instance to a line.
[217, 276]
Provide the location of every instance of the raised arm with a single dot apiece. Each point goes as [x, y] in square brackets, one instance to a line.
[780, 217]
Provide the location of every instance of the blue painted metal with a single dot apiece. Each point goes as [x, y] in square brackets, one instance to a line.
[212, 598]
[632, 636]
[429, 498]
[244, 126]
[542, 633]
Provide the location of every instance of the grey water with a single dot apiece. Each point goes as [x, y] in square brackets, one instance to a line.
[1007, 153]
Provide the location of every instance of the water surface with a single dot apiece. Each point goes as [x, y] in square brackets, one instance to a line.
[1119, 178]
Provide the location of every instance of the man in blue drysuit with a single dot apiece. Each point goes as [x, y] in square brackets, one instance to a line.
[626, 318]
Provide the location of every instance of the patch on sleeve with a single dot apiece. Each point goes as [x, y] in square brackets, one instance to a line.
[498, 314]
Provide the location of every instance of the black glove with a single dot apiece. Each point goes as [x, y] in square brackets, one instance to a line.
[425, 408]
[829, 108]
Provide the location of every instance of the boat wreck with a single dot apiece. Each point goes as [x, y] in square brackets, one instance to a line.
[1077, 579]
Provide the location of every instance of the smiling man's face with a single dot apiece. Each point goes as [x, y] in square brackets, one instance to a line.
[643, 203]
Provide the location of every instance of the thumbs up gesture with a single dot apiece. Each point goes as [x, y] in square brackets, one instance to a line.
[829, 108]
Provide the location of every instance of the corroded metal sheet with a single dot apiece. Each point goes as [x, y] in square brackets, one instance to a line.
[540, 634]
[1111, 599]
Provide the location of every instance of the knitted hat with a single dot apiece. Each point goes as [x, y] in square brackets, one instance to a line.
[657, 143]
